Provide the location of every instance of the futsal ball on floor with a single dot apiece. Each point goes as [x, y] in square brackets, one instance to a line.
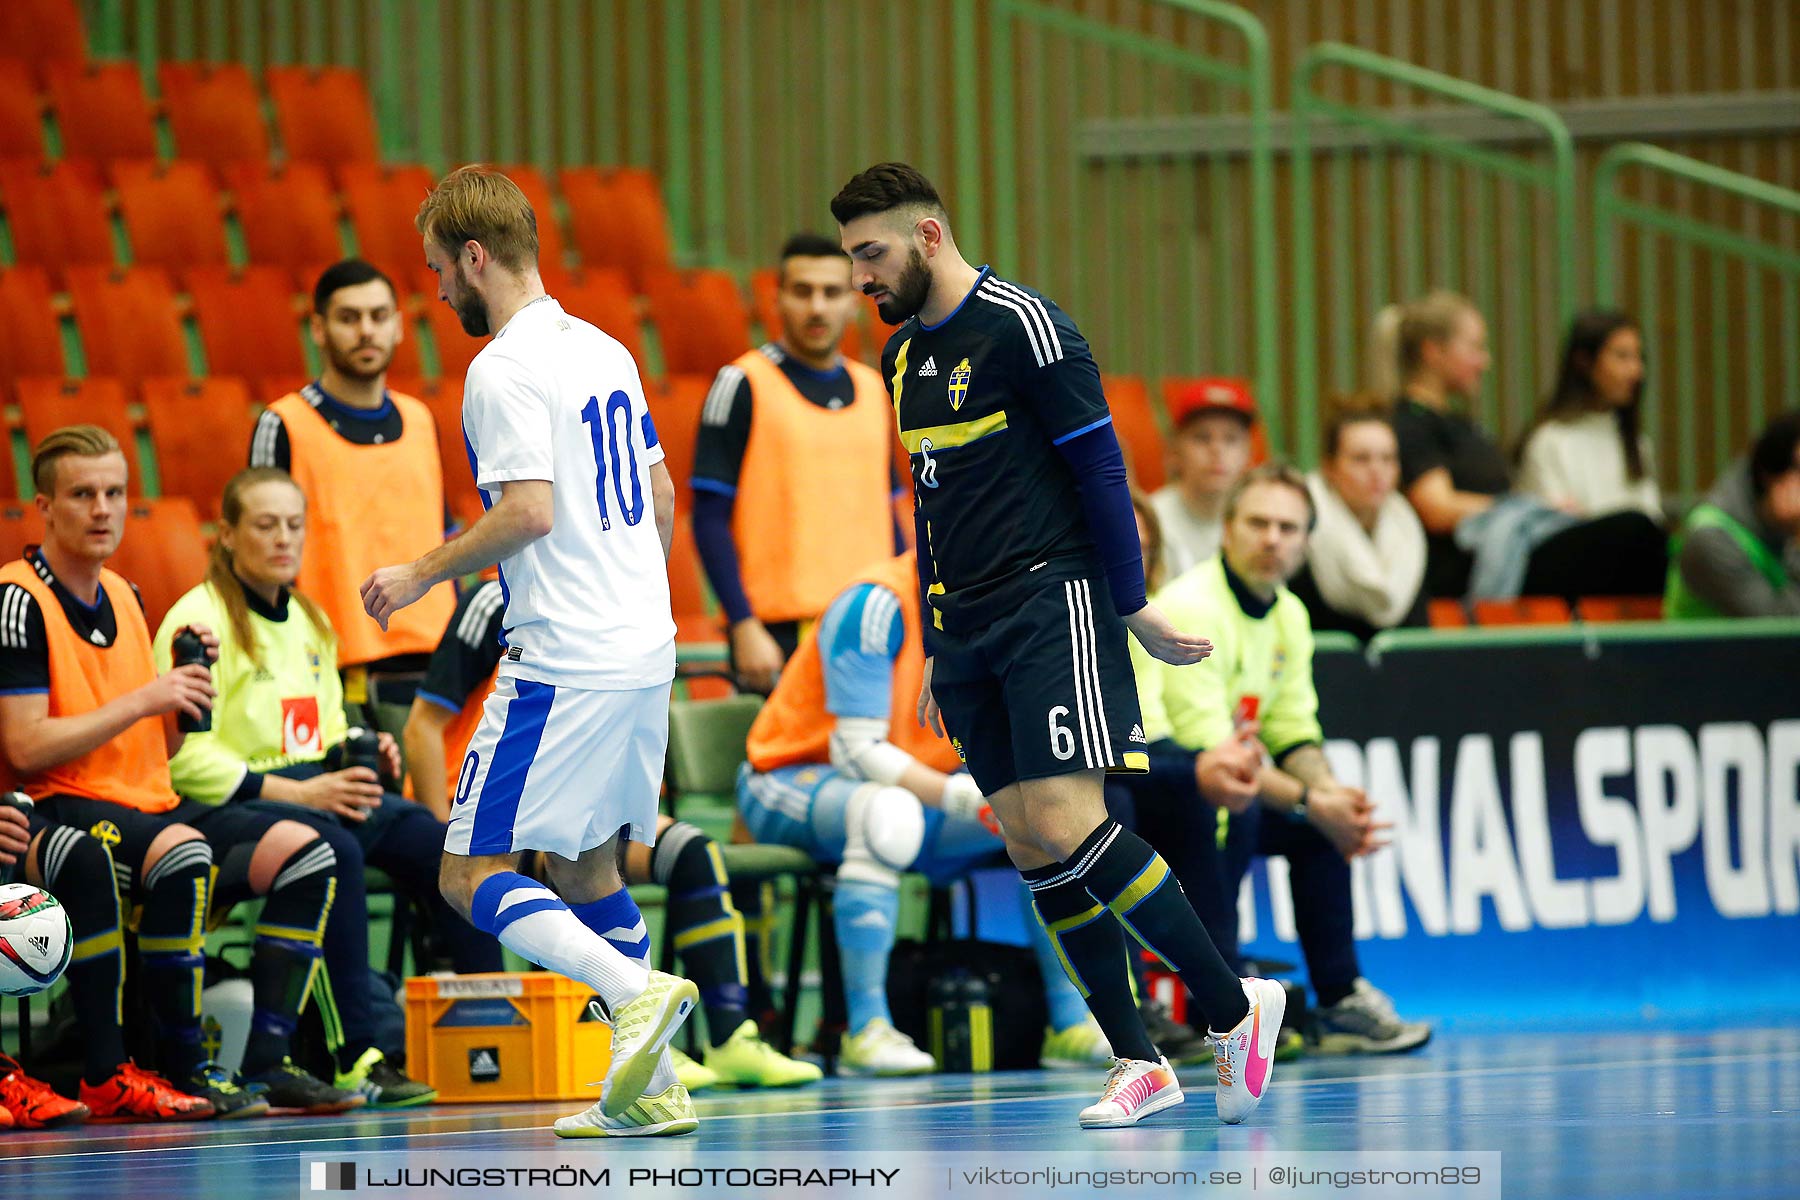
[35, 939]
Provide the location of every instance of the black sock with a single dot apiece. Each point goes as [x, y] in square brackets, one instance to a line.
[286, 954]
[708, 930]
[1092, 948]
[1121, 871]
[79, 870]
[171, 948]
[747, 898]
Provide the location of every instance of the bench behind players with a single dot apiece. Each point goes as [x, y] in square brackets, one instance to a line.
[1022, 510]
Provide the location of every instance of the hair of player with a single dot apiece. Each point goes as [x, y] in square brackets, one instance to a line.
[1773, 454]
[71, 441]
[476, 203]
[221, 571]
[1278, 473]
[351, 272]
[811, 245]
[1433, 317]
[1352, 409]
[1574, 394]
[887, 187]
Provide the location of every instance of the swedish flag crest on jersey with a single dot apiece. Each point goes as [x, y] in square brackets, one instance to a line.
[959, 385]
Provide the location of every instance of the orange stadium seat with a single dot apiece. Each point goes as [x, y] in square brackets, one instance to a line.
[101, 110]
[42, 33]
[128, 323]
[602, 297]
[700, 320]
[57, 214]
[289, 216]
[617, 219]
[675, 409]
[1139, 434]
[1447, 612]
[201, 431]
[1525, 610]
[1173, 386]
[9, 480]
[382, 202]
[20, 526]
[21, 112]
[687, 594]
[455, 349]
[30, 336]
[444, 398]
[764, 286]
[322, 114]
[552, 248]
[215, 112]
[172, 215]
[247, 321]
[1619, 608]
[163, 552]
[49, 404]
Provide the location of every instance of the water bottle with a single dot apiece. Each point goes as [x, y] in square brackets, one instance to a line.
[189, 651]
[360, 748]
[961, 1023]
[10, 872]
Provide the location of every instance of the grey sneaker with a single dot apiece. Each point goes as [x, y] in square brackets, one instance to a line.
[1178, 1043]
[1364, 1022]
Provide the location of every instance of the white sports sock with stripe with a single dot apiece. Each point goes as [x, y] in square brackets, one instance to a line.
[534, 923]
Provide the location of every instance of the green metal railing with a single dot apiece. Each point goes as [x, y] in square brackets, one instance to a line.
[1741, 355]
[1495, 215]
[1152, 257]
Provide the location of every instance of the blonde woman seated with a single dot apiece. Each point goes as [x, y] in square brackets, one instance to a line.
[1365, 565]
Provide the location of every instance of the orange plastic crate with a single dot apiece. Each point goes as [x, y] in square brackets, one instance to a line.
[505, 1037]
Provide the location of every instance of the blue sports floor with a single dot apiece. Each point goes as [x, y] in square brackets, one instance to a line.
[1625, 1114]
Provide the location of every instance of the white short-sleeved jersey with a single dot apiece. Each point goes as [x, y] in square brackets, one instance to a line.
[587, 606]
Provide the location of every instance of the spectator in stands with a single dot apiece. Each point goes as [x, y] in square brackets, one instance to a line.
[1586, 453]
[1483, 540]
[367, 460]
[793, 466]
[1738, 552]
[278, 721]
[839, 767]
[708, 930]
[1212, 419]
[88, 727]
[1150, 538]
[1365, 563]
[1238, 766]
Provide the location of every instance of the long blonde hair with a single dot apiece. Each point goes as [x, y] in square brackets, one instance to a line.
[1398, 335]
[221, 571]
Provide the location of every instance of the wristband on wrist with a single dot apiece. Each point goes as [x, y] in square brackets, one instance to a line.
[1299, 809]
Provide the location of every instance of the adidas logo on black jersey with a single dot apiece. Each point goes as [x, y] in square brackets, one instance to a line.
[1137, 735]
[928, 369]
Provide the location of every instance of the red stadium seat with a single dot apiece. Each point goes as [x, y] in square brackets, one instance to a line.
[618, 220]
[50, 404]
[30, 336]
[128, 322]
[289, 216]
[21, 112]
[382, 203]
[172, 215]
[201, 431]
[215, 112]
[675, 410]
[1619, 608]
[455, 349]
[1525, 610]
[687, 594]
[765, 285]
[9, 480]
[163, 552]
[552, 248]
[444, 399]
[101, 110]
[1447, 613]
[700, 319]
[1139, 434]
[20, 526]
[248, 323]
[57, 215]
[42, 33]
[322, 114]
[603, 297]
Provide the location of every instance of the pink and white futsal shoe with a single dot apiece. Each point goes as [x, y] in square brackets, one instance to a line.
[1245, 1057]
[1134, 1090]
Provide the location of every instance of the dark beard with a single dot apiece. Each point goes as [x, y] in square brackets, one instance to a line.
[345, 365]
[472, 313]
[909, 293]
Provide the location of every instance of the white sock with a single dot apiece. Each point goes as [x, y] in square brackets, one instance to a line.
[555, 938]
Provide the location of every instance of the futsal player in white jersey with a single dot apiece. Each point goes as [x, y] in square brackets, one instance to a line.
[569, 755]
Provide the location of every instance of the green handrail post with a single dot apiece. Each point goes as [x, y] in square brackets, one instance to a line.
[678, 182]
[714, 211]
[965, 65]
[1557, 180]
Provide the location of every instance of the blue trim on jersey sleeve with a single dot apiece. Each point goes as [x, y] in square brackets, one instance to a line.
[859, 637]
[1088, 428]
[440, 701]
[980, 277]
[702, 484]
[43, 691]
[649, 432]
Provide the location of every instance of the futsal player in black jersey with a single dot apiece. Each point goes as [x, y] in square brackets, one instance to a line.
[1030, 575]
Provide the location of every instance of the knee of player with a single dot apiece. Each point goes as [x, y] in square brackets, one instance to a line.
[178, 853]
[885, 824]
[289, 851]
[686, 860]
[69, 862]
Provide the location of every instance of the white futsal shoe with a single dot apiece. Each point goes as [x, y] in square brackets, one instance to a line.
[880, 1049]
[1135, 1089]
[641, 1027]
[669, 1113]
[1245, 1057]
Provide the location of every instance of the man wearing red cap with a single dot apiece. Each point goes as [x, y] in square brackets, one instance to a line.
[1208, 454]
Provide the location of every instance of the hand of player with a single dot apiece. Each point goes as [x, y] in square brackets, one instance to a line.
[755, 656]
[1165, 642]
[207, 637]
[963, 799]
[1227, 774]
[15, 835]
[389, 751]
[1347, 819]
[182, 689]
[350, 793]
[389, 590]
[929, 714]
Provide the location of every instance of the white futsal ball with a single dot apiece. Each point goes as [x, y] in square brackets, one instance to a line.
[35, 939]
